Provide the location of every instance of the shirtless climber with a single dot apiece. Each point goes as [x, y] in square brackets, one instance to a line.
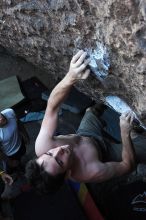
[85, 156]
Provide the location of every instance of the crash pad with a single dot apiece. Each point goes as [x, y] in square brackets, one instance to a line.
[10, 93]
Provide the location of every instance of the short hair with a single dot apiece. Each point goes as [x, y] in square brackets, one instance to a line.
[42, 181]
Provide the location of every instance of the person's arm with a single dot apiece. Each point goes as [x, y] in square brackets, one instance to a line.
[108, 170]
[7, 179]
[128, 152]
[76, 72]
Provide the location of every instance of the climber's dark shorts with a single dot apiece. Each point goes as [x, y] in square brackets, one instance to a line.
[91, 126]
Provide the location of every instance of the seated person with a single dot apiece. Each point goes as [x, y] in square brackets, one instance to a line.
[12, 146]
[86, 156]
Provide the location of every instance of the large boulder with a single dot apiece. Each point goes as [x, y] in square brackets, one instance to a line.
[47, 33]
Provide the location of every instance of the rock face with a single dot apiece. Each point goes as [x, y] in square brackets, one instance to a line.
[47, 33]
